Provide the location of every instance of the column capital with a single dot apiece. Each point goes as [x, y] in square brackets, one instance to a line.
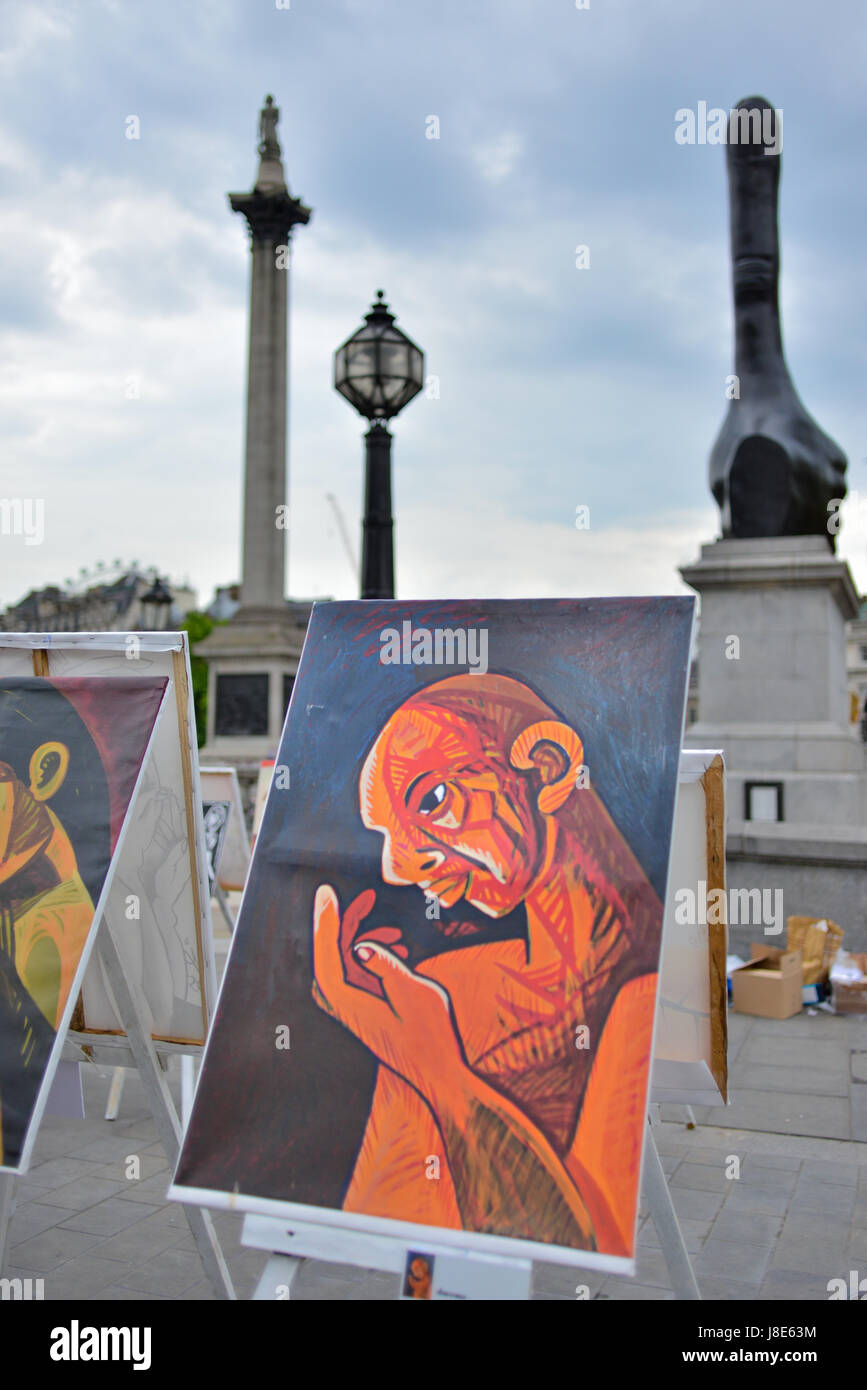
[270, 216]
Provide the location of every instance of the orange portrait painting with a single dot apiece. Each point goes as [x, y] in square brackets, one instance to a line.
[455, 913]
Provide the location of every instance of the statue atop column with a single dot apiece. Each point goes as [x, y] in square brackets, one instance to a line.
[269, 145]
[773, 471]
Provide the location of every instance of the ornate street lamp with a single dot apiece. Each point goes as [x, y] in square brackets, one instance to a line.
[155, 607]
[379, 370]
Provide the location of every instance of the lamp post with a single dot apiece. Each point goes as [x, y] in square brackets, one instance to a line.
[155, 606]
[379, 370]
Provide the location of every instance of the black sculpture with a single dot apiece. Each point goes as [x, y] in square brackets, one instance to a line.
[773, 472]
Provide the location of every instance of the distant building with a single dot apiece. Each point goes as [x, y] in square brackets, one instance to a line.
[109, 602]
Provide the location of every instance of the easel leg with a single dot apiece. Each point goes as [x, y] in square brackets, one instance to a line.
[188, 1086]
[220, 895]
[664, 1216]
[132, 1016]
[115, 1092]
[7, 1207]
[276, 1281]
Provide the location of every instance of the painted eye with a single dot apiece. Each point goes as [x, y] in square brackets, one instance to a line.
[432, 799]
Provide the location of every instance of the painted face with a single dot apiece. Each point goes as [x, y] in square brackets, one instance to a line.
[455, 818]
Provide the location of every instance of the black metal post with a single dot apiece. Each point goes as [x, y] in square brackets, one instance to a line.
[377, 552]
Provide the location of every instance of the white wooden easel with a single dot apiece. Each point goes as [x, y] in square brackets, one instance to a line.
[504, 1279]
[138, 1050]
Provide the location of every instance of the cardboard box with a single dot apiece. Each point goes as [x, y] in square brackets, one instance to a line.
[852, 998]
[769, 985]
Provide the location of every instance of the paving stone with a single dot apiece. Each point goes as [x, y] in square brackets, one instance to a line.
[814, 1227]
[84, 1277]
[80, 1193]
[563, 1279]
[53, 1247]
[117, 1294]
[108, 1149]
[803, 1256]
[701, 1177]
[858, 1113]
[150, 1166]
[790, 1286]
[626, 1291]
[651, 1268]
[57, 1171]
[696, 1205]
[842, 1174]
[782, 1162]
[727, 1259]
[761, 1197]
[693, 1232]
[809, 1052]
[201, 1292]
[746, 1227]
[814, 1195]
[713, 1287]
[858, 1066]
[823, 1116]
[108, 1218]
[31, 1220]
[816, 1080]
[171, 1274]
[137, 1243]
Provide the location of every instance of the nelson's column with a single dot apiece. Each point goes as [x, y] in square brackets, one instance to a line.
[252, 660]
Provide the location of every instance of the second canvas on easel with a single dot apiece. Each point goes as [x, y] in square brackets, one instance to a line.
[71, 754]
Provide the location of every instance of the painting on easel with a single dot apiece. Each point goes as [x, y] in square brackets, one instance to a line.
[71, 752]
[439, 1006]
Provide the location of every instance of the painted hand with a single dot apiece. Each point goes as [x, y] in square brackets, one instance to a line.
[409, 1026]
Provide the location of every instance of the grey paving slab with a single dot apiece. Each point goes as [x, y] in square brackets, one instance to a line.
[707, 1177]
[821, 1082]
[757, 1199]
[627, 1291]
[81, 1193]
[109, 1217]
[31, 1220]
[822, 1116]
[818, 1054]
[54, 1247]
[713, 1287]
[693, 1232]
[84, 1277]
[56, 1171]
[137, 1243]
[563, 1279]
[699, 1206]
[845, 1174]
[858, 1066]
[106, 1149]
[174, 1271]
[149, 1166]
[814, 1195]
[858, 1112]
[728, 1259]
[746, 1227]
[790, 1286]
[781, 1162]
[815, 1227]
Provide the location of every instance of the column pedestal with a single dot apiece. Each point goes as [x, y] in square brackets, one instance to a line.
[772, 693]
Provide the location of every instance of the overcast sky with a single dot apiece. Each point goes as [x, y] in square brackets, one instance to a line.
[558, 387]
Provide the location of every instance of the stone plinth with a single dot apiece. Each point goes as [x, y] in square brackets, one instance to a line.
[772, 693]
[252, 662]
